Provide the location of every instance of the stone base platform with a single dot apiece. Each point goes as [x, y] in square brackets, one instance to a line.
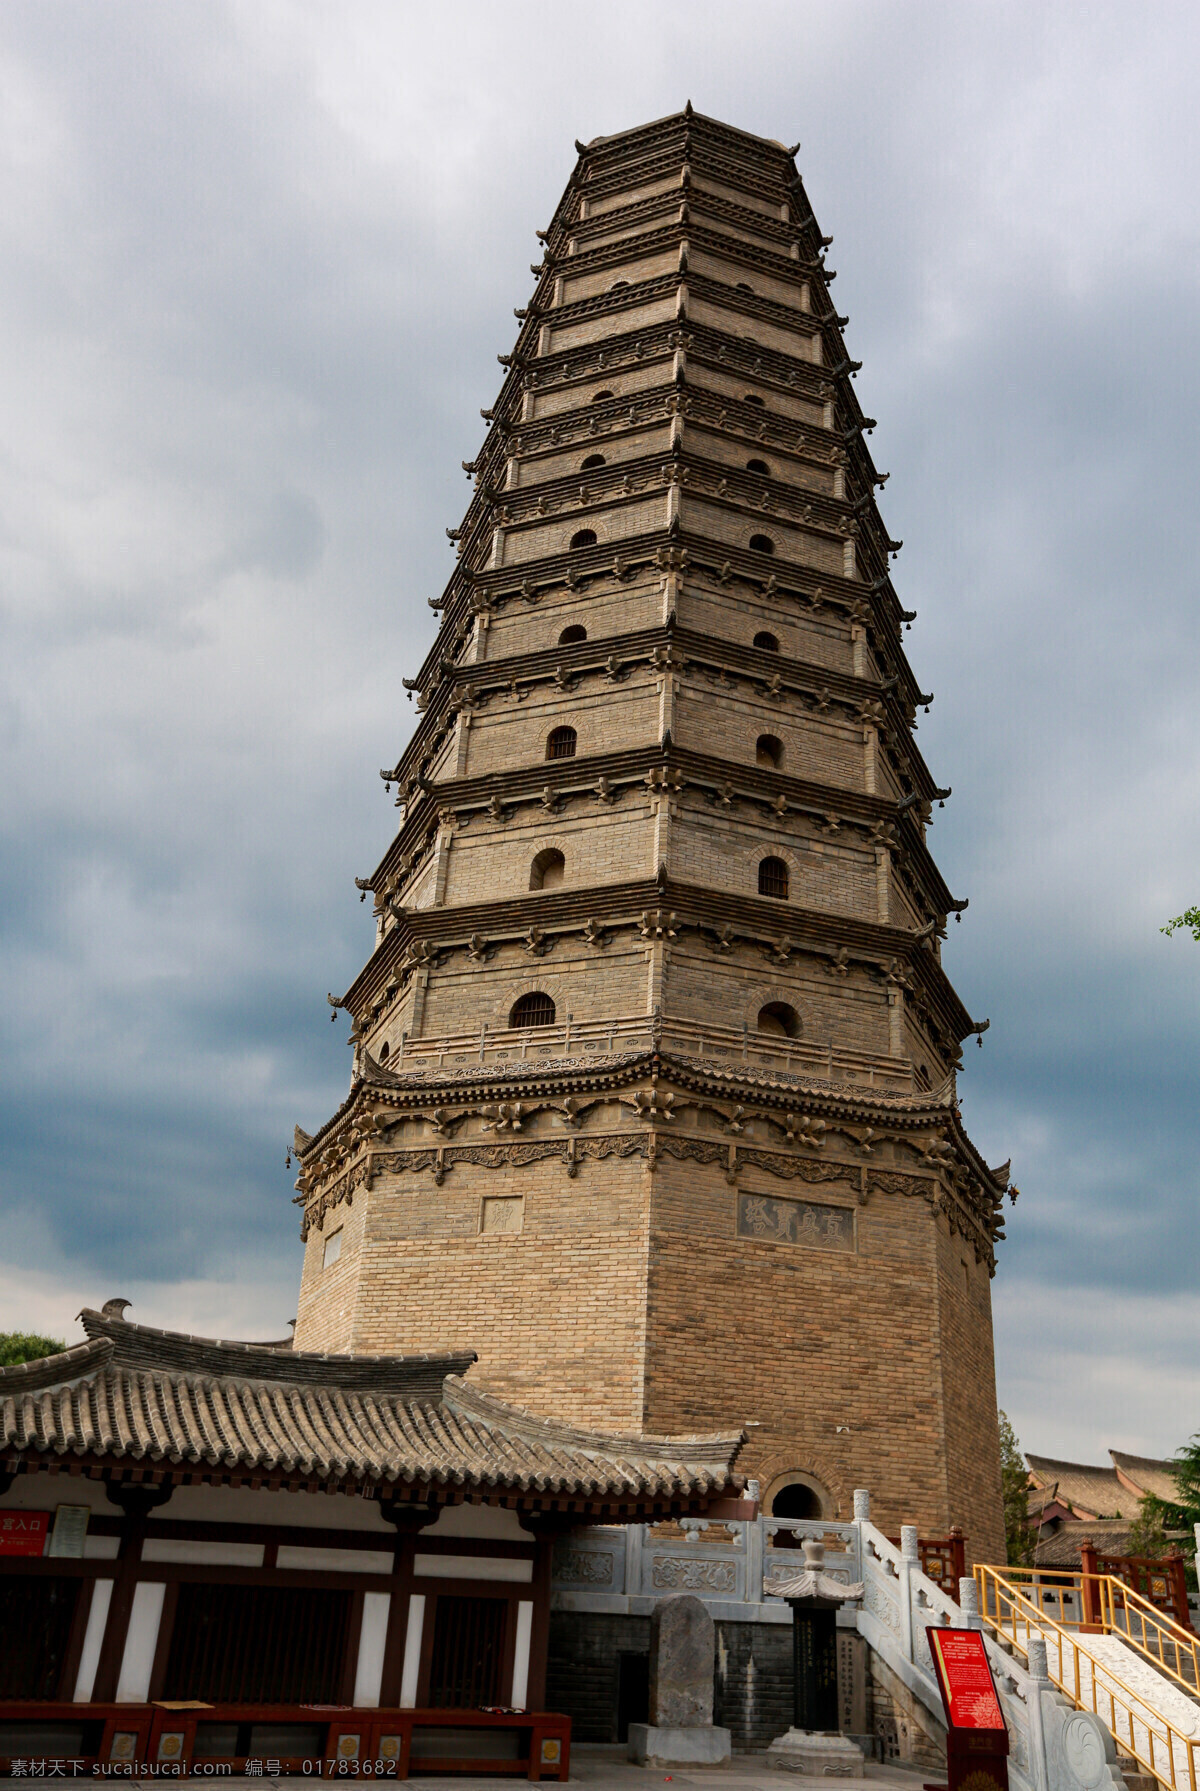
[703, 1745]
[817, 1754]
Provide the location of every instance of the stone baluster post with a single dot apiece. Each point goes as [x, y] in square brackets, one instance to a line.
[910, 1558]
[634, 1539]
[862, 1515]
[1039, 1672]
[968, 1599]
[755, 1543]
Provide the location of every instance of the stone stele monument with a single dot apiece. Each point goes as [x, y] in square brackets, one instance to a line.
[814, 1744]
[682, 1653]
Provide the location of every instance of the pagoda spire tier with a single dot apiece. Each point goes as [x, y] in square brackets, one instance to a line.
[655, 1045]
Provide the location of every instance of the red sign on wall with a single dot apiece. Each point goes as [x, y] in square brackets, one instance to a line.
[23, 1532]
[965, 1678]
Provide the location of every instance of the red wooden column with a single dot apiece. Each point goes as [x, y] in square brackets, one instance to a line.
[137, 1502]
[546, 1530]
[408, 1522]
[1089, 1586]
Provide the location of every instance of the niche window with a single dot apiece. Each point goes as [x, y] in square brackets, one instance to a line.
[778, 1019]
[599, 397]
[592, 460]
[385, 1051]
[768, 750]
[561, 743]
[768, 642]
[547, 869]
[569, 636]
[584, 538]
[797, 1501]
[744, 286]
[753, 398]
[333, 1249]
[758, 466]
[534, 1009]
[773, 878]
[758, 544]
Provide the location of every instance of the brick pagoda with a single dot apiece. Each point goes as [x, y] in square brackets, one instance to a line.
[653, 1097]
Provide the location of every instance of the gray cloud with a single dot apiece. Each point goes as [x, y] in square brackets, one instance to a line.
[255, 265]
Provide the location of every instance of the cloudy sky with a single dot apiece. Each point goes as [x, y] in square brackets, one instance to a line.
[256, 261]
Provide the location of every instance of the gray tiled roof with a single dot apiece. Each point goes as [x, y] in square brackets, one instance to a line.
[1092, 1492]
[408, 1425]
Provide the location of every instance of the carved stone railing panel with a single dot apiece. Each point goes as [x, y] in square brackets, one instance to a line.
[694, 1573]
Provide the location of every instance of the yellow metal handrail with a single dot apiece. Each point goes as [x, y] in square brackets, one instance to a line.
[1170, 1756]
[1103, 1598]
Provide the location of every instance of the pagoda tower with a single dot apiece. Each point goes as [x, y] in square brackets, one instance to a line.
[654, 1088]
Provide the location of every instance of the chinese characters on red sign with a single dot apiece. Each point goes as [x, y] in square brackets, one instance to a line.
[23, 1532]
[966, 1679]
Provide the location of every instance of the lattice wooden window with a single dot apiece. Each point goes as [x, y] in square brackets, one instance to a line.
[773, 878]
[258, 1644]
[534, 1009]
[561, 743]
[468, 1652]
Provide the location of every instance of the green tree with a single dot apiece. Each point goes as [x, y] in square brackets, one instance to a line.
[1190, 918]
[1148, 1532]
[25, 1346]
[1014, 1485]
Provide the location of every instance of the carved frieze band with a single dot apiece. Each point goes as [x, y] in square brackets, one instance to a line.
[648, 1147]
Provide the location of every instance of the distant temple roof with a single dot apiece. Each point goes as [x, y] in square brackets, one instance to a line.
[1070, 1503]
[1099, 1492]
[139, 1404]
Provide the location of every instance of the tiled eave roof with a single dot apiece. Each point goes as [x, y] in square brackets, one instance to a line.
[420, 1089]
[135, 1402]
[1092, 1492]
[1148, 1475]
[699, 909]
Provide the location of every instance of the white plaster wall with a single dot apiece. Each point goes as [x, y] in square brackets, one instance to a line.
[471, 1567]
[335, 1560]
[491, 1523]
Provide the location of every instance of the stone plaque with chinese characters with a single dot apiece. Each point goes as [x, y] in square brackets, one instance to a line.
[503, 1214]
[778, 1221]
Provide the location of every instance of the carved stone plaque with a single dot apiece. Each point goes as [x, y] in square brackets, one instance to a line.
[776, 1221]
[681, 1574]
[502, 1214]
[580, 1567]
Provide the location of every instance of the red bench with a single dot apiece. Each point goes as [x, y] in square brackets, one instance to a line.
[284, 1740]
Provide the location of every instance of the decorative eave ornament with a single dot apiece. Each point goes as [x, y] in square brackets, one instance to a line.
[813, 1581]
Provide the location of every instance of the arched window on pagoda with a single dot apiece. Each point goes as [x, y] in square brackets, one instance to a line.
[773, 878]
[534, 1009]
[561, 743]
[548, 869]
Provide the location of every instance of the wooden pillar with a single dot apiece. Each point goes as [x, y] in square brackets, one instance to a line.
[137, 1502]
[1089, 1586]
[409, 1521]
[958, 1556]
[539, 1642]
[546, 1530]
[1177, 1588]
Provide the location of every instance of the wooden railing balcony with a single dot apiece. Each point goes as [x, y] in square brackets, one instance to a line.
[729, 1045]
